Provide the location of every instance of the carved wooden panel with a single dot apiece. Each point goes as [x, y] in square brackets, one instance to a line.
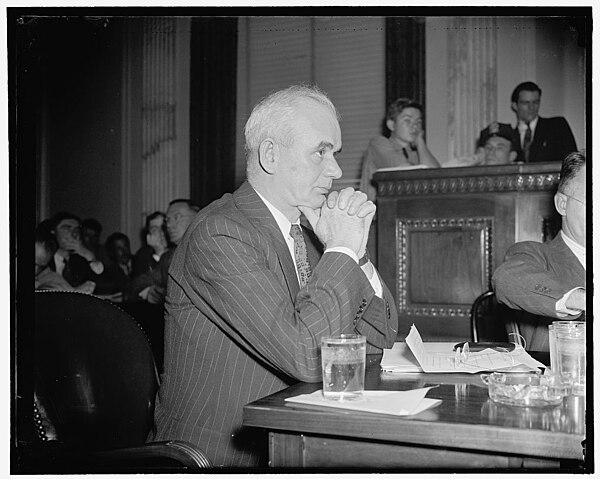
[475, 184]
[443, 264]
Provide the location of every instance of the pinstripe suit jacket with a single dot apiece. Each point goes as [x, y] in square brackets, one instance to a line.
[533, 277]
[238, 327]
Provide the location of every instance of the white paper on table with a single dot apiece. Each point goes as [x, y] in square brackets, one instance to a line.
[397, 403]
[439, 358]
[402, 168]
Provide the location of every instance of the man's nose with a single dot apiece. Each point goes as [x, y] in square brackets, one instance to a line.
[333, 169]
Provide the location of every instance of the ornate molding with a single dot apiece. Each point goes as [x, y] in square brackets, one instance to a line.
[404, 226]
[474, 184]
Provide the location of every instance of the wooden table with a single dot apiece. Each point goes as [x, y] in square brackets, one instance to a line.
[466, 431]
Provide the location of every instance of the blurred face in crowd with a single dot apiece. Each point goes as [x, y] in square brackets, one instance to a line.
[90, 238]
[571, 205]
[119, 251]
[407, 126]
[67, 232]
[498, 151]
[179, 217]
[304, 171]
[528, 106]
[156, 228]
[42, 257]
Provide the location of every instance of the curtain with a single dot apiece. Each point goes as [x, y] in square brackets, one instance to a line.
[405, 58]
[212, 108]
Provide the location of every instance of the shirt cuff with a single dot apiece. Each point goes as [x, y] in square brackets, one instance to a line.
[343, 249]
[144, 293]
[561, 310]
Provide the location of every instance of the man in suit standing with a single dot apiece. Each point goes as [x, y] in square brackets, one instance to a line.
[537, 139]
[251, 291]
[548, 279]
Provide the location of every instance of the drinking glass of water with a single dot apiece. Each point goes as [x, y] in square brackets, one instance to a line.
[343, 361]
[571, 357]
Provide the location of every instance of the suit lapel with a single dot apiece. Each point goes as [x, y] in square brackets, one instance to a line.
[257, 212]
[570, 267]
[539, 135]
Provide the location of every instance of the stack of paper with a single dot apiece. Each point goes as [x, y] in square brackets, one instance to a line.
[397, 403]
[417, 356]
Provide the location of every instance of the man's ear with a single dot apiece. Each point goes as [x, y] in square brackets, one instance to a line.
[267, 155]
[390, 124]
[513, 106]
[560, 203]
[512, 156]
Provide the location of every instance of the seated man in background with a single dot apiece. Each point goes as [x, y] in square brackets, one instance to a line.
[115, 282]
[498, 148]
[152, 286]
[45, 277]
[405, 146]
[251, 292]
[155, 244]
[91, 230]
[72, 260]
[548, 279]
[536, 139]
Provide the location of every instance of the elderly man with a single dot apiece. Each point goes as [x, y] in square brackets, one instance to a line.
[537, 139]
[151, 286]
[548, 279]
[251, 292]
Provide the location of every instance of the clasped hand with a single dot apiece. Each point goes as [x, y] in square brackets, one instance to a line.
[343, 220]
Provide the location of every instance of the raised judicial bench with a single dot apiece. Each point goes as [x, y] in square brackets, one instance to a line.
[441, 233]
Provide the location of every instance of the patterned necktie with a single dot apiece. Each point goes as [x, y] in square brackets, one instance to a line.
[527, 143]
[302, 264]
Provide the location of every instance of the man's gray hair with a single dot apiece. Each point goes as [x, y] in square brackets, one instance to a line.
[272, 117]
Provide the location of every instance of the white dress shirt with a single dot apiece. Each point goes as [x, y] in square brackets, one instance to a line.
[579, 251]
[522, 127]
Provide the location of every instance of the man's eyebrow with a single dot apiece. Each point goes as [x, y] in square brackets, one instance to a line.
[327, 145]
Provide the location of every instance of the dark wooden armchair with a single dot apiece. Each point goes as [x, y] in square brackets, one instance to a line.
[94, 391]
[492, 321]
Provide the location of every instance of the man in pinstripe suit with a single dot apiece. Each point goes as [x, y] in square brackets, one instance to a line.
[242, 320]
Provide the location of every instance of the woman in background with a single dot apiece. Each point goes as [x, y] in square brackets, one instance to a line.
[405, 146]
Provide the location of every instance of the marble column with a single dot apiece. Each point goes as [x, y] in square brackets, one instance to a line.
[472, 81]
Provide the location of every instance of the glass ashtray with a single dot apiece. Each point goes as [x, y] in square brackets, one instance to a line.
[525, 389]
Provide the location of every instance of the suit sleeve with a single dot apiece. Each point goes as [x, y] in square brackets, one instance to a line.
[525, 282]
[233, 277]
[565, 141]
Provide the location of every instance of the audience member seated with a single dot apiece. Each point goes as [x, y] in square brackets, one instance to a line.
[72, 260]
[152, 286]
[155, 244]
[116, 279]
[498, 148]
[536, 138]
[45, 277]
[548, 280]
[405, 146]
[91, 230]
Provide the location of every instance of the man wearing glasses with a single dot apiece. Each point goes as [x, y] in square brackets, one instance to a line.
[548, 279]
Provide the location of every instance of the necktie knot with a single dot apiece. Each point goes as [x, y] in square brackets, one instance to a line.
[300, 255]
